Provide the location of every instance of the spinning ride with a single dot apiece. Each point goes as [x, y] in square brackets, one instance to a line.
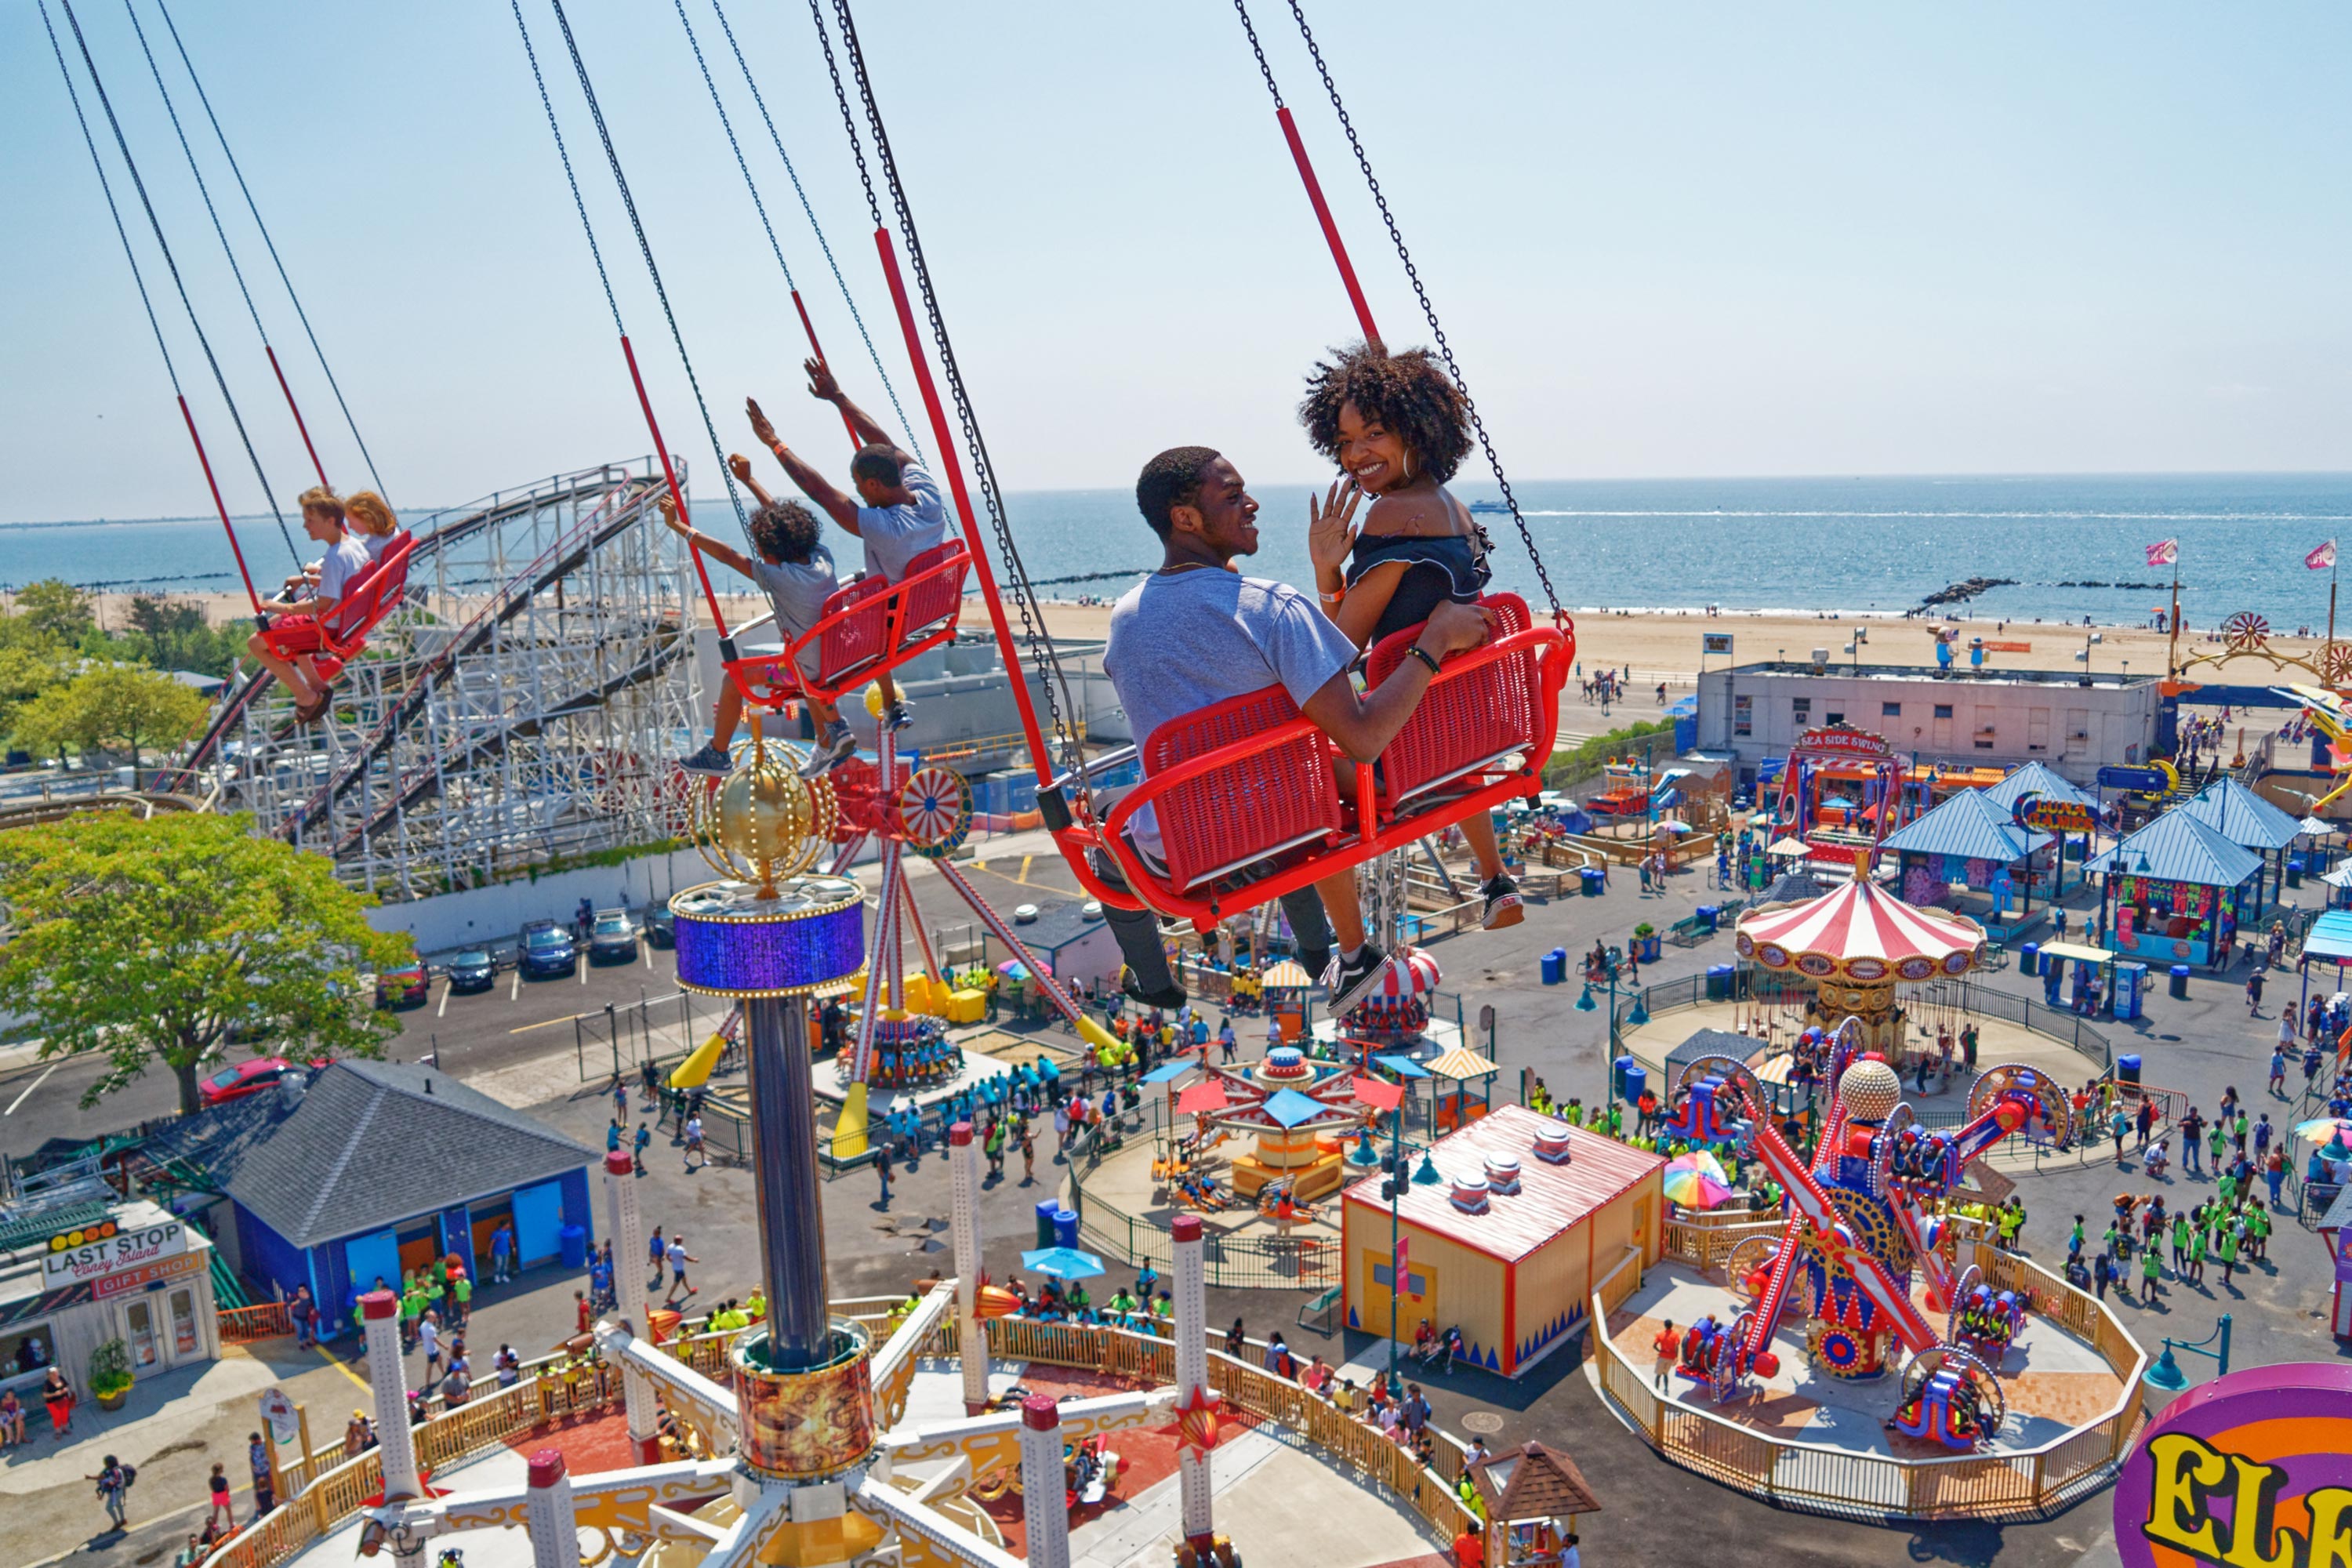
[1856, 944]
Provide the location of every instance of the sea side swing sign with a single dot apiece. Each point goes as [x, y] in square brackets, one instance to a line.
[2252, 1469]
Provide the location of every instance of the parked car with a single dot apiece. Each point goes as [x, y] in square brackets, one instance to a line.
[612, 939]
[547, 949]
[250, 1076]
[660, 930]
[472, 970]
[403, 985]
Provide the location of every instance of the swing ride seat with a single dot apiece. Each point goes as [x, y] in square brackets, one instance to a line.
[332, 642]
[1246, 790]
[870, 627]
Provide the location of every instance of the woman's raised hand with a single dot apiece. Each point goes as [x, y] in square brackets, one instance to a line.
[1329, 524]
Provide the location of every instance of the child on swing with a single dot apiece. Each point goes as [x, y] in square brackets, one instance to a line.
[1397, 425]
[307, 599]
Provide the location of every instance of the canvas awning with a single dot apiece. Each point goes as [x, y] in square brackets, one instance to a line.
[2330, 938]
[2077, 952]
[1462, 1062]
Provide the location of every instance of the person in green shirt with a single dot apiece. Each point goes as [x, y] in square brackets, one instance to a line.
[2180, 1228]
[2215, 1142]
[2149, 1270]
[1616, 1121]
[2258, 1232]
[2229, 1253]
[1119, 1305]
[461, 1290]
[2075, 1238]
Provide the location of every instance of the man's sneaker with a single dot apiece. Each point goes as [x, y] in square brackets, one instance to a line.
[836, 746]
[709, 761]
[1167, 1001]
[900, 716]
[1503, 905]
[1352, 981]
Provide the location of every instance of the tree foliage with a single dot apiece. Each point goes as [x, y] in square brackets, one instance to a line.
[148, 941]
[115, 708]
[173, 634]
[56, 609]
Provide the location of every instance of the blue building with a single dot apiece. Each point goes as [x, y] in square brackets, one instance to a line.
[380, 1167]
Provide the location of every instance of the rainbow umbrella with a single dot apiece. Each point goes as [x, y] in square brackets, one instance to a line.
[2324, 1129]
[1696, 1181]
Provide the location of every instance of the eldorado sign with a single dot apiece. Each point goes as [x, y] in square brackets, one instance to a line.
[2254, 1467]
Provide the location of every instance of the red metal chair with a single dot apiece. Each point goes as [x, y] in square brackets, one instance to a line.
[1270, 794]
[370, 596]
[1495, 718]
[870, 627]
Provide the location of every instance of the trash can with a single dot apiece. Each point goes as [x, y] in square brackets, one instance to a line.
[1637, 1078]
[1592, 879]
[2127, 1070]
[1719, 982]
[1617, 1071]
[1709, 914]
[1065, 1227]
[2130, 990]
[2029, 959]
[572, 1245]
[1555, 966]
[2179, 983]
[2294, 872]
[1046, 1213]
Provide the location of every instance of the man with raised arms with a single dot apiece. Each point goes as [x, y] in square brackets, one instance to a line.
[1197, 632]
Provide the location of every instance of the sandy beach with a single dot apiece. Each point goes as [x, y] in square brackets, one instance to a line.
[1661, 646]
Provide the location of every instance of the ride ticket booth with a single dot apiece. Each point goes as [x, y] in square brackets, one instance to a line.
[2177, 891]
[104, 1271]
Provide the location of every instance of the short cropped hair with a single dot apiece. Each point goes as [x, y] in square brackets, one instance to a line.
[784, 531]
[875, 461]
[368, 510]
[1170, 480]
[1409, 393]
[319, 498]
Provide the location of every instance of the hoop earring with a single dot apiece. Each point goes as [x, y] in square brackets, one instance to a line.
[1408, 463]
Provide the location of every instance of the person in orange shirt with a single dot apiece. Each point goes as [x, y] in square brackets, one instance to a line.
[1666, 1344]
[1470, 1547]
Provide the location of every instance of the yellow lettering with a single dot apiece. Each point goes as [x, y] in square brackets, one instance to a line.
[2250, 1518]
[2185, 1470]
[2331, 1541]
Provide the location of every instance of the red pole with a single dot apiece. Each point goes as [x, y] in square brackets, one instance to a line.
[1040, 757]
[818, 348]
[214, 485]
[1331, 228]
[316, 465]
[675, 495]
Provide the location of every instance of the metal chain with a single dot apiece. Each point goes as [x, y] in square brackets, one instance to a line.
[123, 146]
[728, 125]
[595, 253]
[202, 189]
[646, 249]
[1041, 648]
[1258, 49]
[299, 314]
[906, 425]
[1429, 311]
[848, 116]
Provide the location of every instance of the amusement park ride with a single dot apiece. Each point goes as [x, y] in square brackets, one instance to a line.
[1856, 1229]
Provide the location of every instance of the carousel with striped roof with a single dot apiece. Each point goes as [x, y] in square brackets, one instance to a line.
[1856, 944]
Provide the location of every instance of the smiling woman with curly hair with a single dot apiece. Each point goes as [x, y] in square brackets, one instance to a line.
[1397, 424]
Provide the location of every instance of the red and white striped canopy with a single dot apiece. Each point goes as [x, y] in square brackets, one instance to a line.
[1411, 972]
[1863, 934]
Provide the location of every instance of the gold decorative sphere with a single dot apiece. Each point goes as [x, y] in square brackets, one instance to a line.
[1871, 1091]
[765, 822]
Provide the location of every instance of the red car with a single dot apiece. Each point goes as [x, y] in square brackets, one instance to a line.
[251, 1075]
[397, 987]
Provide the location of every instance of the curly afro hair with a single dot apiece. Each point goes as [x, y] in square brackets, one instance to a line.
[784, 531]
[1408, 393]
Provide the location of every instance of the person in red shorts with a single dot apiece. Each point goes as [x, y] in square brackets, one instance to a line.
[305, 607]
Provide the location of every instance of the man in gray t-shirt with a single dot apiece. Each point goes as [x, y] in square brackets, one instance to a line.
[898, 512]
[1196, 633]
[795, 570]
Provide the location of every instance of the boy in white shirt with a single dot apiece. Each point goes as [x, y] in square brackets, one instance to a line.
[304, 609]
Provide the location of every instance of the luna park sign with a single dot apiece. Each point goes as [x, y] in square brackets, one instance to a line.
[2251, 1471]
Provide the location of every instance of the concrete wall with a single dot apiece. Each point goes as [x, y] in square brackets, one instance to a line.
[491, 916]
[2001, 720]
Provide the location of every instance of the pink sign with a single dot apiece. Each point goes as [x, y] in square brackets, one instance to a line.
[2254, 1467]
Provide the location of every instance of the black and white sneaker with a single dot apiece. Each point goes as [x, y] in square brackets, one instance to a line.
[836, 746]
[900, 716]
[709, 761]
[1350, 981]
[1504, 907]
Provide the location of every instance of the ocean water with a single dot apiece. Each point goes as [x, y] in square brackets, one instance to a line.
[1870, 545]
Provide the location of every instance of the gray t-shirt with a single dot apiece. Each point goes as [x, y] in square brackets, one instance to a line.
[345, 559]
[1180, 642]
[797, 592]
[894, 535]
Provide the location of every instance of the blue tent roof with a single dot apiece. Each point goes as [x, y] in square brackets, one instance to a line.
[1171, 1069]
[2178, 848]
[2034, 778]
[2330, 939]
[2241, 816]
[1968, 824]
[1290, 1108]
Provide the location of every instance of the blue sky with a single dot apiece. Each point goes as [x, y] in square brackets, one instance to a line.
[1666, 239]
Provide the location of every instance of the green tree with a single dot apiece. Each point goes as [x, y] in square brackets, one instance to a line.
[56, 609]
[26, 669]
[113, 708]
[147, 942]
[173, 634]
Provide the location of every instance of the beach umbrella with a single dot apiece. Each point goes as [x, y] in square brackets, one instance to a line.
[2323, 1129]
[1673, 825]
[1696, 1181]
[1063, 1263]
[1013, 969]
[1202, 1098]
[1789, 847]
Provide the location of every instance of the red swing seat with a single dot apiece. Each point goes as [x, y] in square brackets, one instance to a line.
[868, 627]
[1247, 794]
[331, 643]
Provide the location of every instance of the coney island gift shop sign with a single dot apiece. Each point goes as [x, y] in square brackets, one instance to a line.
[2251, 1469]
[79, 1257]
